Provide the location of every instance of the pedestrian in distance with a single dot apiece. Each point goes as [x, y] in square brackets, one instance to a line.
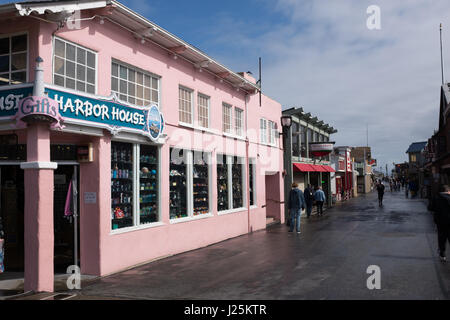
[295, 206]
[440, 207]
[309, 199]
[406, 191]
[2, 247]
[319, 196]
[380, 190]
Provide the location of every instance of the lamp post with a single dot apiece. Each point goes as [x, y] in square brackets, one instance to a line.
[286, 123]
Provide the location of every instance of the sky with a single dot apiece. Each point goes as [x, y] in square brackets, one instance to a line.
[320, 55]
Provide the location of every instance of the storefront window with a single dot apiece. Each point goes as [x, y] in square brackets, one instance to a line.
[222, 183]
[200, 183]
[238, 201]
[13, 59]
[252, 187]
[178, 184]
[148, 184]
[122, 185]
[303, 141]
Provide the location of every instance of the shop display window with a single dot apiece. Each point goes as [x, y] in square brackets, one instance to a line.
[252, 183]
[222, 183]
[178, 184]
[122, 185]
[238, 201]
[148, 184]
[200, 183]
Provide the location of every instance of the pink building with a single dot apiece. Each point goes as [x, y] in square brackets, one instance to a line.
[168, 149]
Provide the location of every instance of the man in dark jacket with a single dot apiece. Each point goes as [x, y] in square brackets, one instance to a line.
[441, 209]
[296, 205]
[309, 199]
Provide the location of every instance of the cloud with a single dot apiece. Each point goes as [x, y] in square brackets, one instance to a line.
[320, 55]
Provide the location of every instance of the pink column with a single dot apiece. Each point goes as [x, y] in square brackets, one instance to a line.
[39, 238]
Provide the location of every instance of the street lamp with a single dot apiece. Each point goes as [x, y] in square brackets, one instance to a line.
[286, 122]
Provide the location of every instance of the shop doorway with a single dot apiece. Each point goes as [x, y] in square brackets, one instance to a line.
[12, 217]
[66, 226]
[273, 196]
[12, 202]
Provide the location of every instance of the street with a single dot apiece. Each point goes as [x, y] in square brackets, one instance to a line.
[328, 260]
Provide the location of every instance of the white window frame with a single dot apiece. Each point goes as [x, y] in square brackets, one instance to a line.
[239, 129]
[229, 116]
[189, 158]
[191, 94]
[271, 133]
[27, 70]
[263, 130]
[136, 192]
[208, 109]
[144, 73]
[231, 208]
[76, 62]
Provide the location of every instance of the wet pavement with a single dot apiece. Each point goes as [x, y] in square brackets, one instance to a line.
[328, 260]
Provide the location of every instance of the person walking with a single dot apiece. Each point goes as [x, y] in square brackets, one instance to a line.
[319, 196]
[441, 214]
[2, 245]
[309, 199]
[380, 190]
[296, 205]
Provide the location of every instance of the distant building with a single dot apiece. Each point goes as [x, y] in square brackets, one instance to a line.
[362, 157]
[307, 152]
[416, 159]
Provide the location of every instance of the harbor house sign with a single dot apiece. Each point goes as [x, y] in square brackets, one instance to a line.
[108, 113]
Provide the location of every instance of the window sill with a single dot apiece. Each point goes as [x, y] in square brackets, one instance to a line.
[220, 213]
[253, 207]
[191, 218]
[136, 228]
[233, 136]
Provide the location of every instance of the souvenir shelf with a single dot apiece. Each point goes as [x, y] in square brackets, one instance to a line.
[236, 170]
[200, 184]
[222, 184]
[148, 184]
[121, 185]
[178, 205]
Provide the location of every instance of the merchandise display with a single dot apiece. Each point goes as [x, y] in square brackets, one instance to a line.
[222, 183]
[236, 170]
[200, 184]
[251, 186]
[148, 184]
[121, 185]
[177, 181]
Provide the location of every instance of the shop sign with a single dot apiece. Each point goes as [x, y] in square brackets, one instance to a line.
[38, 108]
[109, 113]
[9, 100]
[321, 149]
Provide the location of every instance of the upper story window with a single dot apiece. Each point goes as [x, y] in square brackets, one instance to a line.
[272, 140]
[74, 67]
[13, 59]
[239, 121]
[295, 139]
[134, 85]
[203, 110]
[263, 130]
[226, 118]
[185, 105]
[413, 157]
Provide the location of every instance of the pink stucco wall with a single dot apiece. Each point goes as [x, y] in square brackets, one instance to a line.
[103, 252]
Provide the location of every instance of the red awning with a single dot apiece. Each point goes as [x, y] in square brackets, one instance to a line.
[303, 167]
[318, 168]
[329, 169]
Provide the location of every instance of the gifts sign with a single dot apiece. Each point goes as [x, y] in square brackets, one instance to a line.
[35, 108]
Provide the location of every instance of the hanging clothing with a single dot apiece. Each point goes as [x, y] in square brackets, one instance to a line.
[68, 208]
[2, 256]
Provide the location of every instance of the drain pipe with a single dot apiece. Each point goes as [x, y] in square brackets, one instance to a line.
[247, 163]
